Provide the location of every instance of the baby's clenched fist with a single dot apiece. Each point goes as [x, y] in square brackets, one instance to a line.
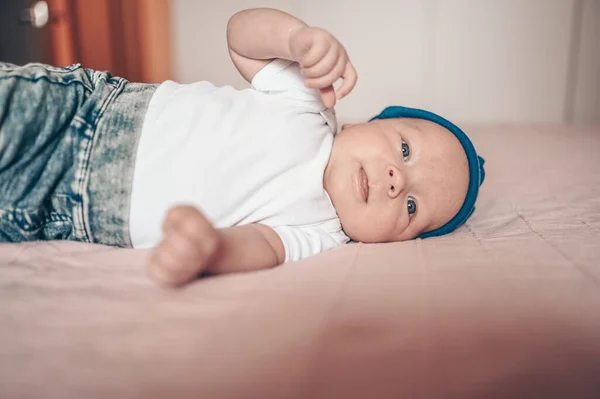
[189, 244]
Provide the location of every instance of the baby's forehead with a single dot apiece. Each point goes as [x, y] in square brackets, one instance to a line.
[441, 141]
[426, 127]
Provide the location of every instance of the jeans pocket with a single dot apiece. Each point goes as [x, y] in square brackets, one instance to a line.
[41, 147]
[18, 225]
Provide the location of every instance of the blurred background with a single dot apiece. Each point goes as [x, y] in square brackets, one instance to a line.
[474, 61]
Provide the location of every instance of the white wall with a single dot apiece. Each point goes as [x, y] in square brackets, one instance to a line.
[471, 60]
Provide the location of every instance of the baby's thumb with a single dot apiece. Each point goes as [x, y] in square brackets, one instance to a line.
[328, 96]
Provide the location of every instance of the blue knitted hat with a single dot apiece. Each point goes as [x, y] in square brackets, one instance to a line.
[476, 171]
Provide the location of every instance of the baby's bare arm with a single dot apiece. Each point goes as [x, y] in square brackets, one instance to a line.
[191, 246]
[257, 36]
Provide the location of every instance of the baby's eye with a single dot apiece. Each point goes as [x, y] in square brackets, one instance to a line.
[405, 150]
[411, 204]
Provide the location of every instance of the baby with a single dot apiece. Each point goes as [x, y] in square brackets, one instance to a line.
[217, 180]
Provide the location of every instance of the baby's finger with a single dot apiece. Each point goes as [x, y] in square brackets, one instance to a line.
[328, 96]
[175, 262]
[188, 222]
[160, 268]
[350, 77]
[161, 258]
[175, 216]
[187, 254]
[331, 77]
[326, 64]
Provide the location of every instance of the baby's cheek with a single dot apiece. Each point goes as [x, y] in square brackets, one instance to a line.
[405, 232]
[390, 226]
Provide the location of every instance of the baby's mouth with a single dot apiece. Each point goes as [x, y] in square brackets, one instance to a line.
[363, 182]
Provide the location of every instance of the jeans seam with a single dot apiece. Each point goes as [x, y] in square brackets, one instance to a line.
[83, 207]
[46, 78]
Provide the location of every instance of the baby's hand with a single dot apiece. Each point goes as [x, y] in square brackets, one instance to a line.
[323, 60]
[189, 244]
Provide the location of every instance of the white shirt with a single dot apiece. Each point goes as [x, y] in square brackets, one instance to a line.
[251, 156]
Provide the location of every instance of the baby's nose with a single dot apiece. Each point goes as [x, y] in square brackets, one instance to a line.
[396, 180]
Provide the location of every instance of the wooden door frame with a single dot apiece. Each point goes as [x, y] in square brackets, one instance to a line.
[130, 38]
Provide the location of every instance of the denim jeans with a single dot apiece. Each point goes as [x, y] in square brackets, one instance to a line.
[68, 138]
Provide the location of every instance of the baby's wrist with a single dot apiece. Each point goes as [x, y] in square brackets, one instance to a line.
[297, 43]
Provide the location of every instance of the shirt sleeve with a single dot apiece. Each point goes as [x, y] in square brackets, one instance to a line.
[302, 242]
[283, 78]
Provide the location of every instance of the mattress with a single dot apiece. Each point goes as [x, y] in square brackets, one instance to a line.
[508, 306]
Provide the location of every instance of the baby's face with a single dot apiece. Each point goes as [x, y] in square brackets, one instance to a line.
[393, 179]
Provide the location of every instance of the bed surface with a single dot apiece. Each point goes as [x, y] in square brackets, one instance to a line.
[506, 307]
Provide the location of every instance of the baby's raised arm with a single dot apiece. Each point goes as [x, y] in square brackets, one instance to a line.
[257, 36]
